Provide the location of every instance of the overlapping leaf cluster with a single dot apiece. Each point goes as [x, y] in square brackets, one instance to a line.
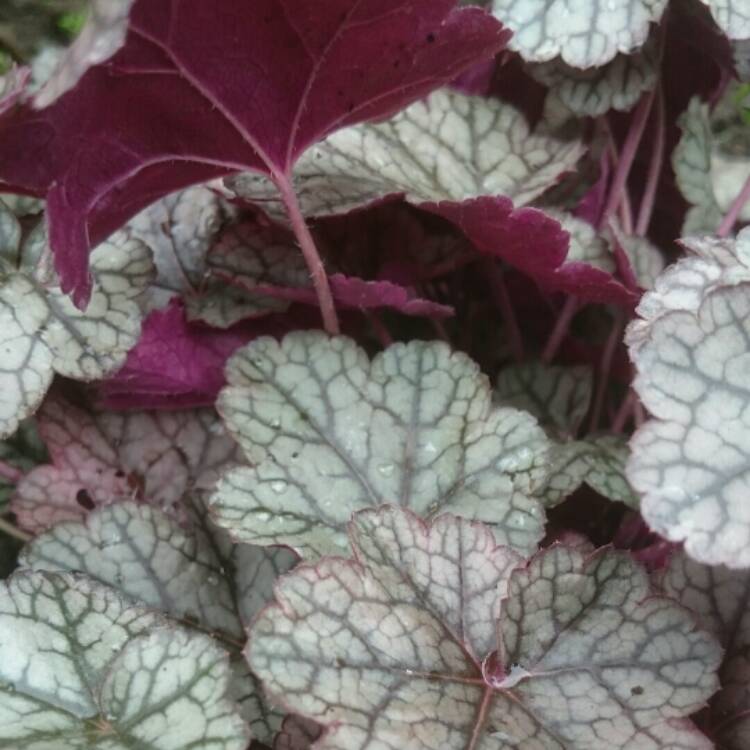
[328, 331]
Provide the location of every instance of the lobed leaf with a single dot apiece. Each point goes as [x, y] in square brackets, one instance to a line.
[99, 458]
[598, 461]
[434, 637]
[273, 78]
[179, 229]
[327, 432]
[583, 34]
[559, 397]
[690, 350]
[594, 91]
[82, 668]
[711, 161]
[719, 598]
[449, 147]
[191, 572]
[43, 333]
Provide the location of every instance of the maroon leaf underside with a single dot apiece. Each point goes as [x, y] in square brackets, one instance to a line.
[535, 244]
[176, 106]
[178, 364]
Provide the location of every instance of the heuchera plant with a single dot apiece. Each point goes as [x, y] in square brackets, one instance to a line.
[374, 375]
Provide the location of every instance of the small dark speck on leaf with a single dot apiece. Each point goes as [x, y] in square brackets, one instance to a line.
[637, 690]
[430, 38]
[119, 473]
[84, 499]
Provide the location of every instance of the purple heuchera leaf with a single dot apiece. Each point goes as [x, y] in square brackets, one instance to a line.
[176, 106]
[536, 244]
[178, 364]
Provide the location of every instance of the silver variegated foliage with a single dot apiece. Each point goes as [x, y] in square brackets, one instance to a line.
[448, 147]
[83, 668]
[434, 637]
[98, 458]
[558, 396]
[690, 349]
[41, 330]
[732, 16]
[584, 33]
[598, 461]
[179, 229]
[327, 432]
[593, 91]
[193, 573]
[720, 599]
[712, 161]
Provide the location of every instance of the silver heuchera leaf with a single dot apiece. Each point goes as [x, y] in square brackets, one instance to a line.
[690, 349]
[102, 35]
[179, 229]
[191, 573]
[586, 245]
[42, 332]
[598, 461]
[732, 17]
[691, 161]
[101, 457]
[327, 432]
[448, 147]
[559, 397]
[434, 637]
[583, 34]
[719, 598]
[646, 260]
[82, 668]
[594, 91]
[714, 144]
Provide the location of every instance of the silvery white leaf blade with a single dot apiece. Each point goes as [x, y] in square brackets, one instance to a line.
[719, 597]
[83, 668]
[593, 91]
[179, 229]
[690, 463]
[645, 259]
[607, 458]
[327, 432]
[170, 689]
[559, 397]
[449, 147]
[691, 161]
[584, 34]
[379, 649]
[192, 573]
[144, 554]
[599, 461]
[732, 16]
[42, 332]
[562, 626]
